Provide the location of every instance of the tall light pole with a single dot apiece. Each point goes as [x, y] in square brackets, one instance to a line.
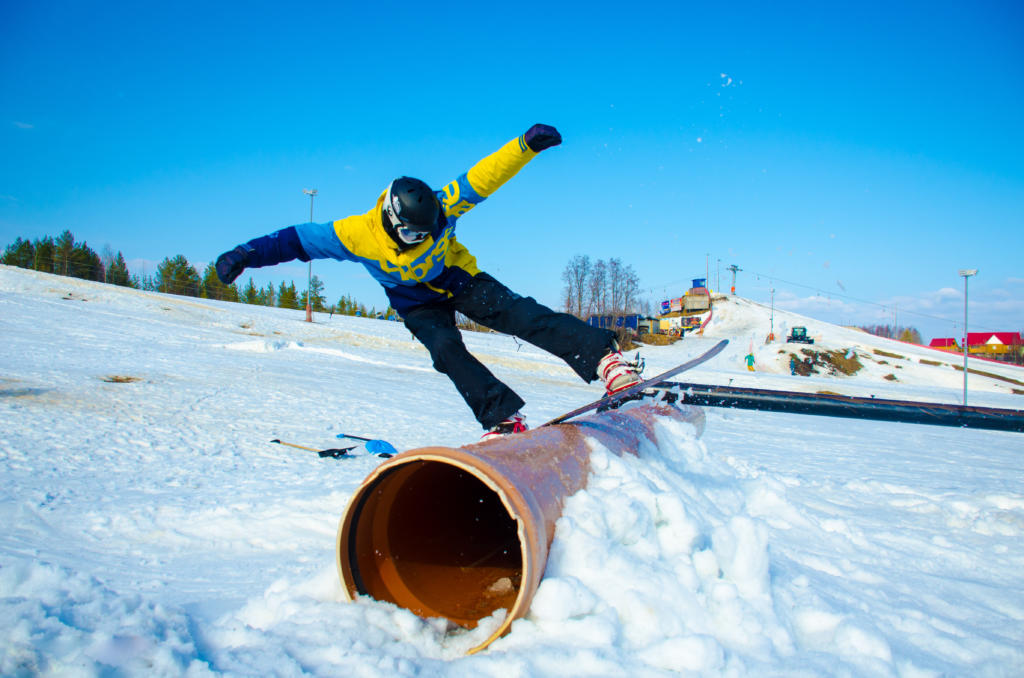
[966, 273]
[311, 192]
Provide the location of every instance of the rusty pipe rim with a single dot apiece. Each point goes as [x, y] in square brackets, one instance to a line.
[371, 562]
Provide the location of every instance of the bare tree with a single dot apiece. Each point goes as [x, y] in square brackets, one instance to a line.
[615, 285]
[597, 287]
[623, 288]
[601, 287]
[629, 290]
[576, 291]
[108, 258]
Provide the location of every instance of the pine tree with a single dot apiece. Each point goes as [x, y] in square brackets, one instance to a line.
[84, 263]
[73, 259]
[250, 294]
[177, 276]
[117, 272]
[347, 305]
[62, 252]
[287, 297]
[45, 250]
[21, 253]
[317, 296]
[213, 288]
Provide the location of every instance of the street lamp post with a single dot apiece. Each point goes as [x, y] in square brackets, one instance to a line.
[966, 273]
[311, 192]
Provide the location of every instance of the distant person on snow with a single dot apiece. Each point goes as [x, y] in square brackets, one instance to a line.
[407, 243]
[750, 361]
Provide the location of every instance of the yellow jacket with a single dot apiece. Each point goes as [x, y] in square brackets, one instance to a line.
[433, 269]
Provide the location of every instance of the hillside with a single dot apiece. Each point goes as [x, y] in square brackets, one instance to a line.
[866, 365]
[148, 526]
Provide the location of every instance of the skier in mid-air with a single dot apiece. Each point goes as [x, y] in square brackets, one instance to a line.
[407, 243]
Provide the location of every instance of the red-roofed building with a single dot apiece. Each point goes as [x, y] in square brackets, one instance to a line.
[998, 345]
[945, 344]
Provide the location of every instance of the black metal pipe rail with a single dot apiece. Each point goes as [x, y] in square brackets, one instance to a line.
[832, 405]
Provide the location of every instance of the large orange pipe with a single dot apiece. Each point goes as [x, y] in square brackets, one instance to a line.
[461, 533]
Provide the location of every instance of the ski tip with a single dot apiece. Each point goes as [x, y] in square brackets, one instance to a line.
[380, 448]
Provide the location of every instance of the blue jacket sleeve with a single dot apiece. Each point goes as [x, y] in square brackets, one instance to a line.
[319, 241]
[279, 246]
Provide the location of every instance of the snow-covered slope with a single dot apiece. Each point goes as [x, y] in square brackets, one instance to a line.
[887, 368]
[147, 526]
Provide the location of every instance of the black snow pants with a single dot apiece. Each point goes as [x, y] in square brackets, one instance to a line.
[488, 302]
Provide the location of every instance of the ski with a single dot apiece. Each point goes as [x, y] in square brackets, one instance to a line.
[334, 453]
[634, 391]
[381, 448]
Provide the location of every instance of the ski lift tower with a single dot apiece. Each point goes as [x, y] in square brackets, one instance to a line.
[735, 269]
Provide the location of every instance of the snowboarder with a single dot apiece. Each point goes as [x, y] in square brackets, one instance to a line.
[406, 241]
[750, 361]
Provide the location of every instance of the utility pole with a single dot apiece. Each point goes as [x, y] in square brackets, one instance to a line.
[735, 269]
[771, 334]
[311, 192]
[966, 273]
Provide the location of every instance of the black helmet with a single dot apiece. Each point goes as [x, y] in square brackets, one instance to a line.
[410, 211]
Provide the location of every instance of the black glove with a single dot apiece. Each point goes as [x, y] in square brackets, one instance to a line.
[231, 264]
[540, 137]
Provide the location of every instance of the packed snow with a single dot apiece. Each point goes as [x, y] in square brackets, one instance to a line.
[149, 527]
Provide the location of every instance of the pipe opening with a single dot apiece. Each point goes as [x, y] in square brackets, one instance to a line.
[431, 537]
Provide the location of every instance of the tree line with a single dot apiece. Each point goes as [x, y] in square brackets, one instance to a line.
[600, 287]
[613, 288]
[63, 255]
[908, 335]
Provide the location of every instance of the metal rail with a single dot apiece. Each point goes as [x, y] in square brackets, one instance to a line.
[832, 405]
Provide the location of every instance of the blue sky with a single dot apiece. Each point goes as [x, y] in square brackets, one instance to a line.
[852, 157]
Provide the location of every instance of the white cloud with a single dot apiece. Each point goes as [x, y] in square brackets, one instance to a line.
[22, 125]
[935, 313]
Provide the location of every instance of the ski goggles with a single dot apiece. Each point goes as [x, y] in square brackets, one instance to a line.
[409, 236]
